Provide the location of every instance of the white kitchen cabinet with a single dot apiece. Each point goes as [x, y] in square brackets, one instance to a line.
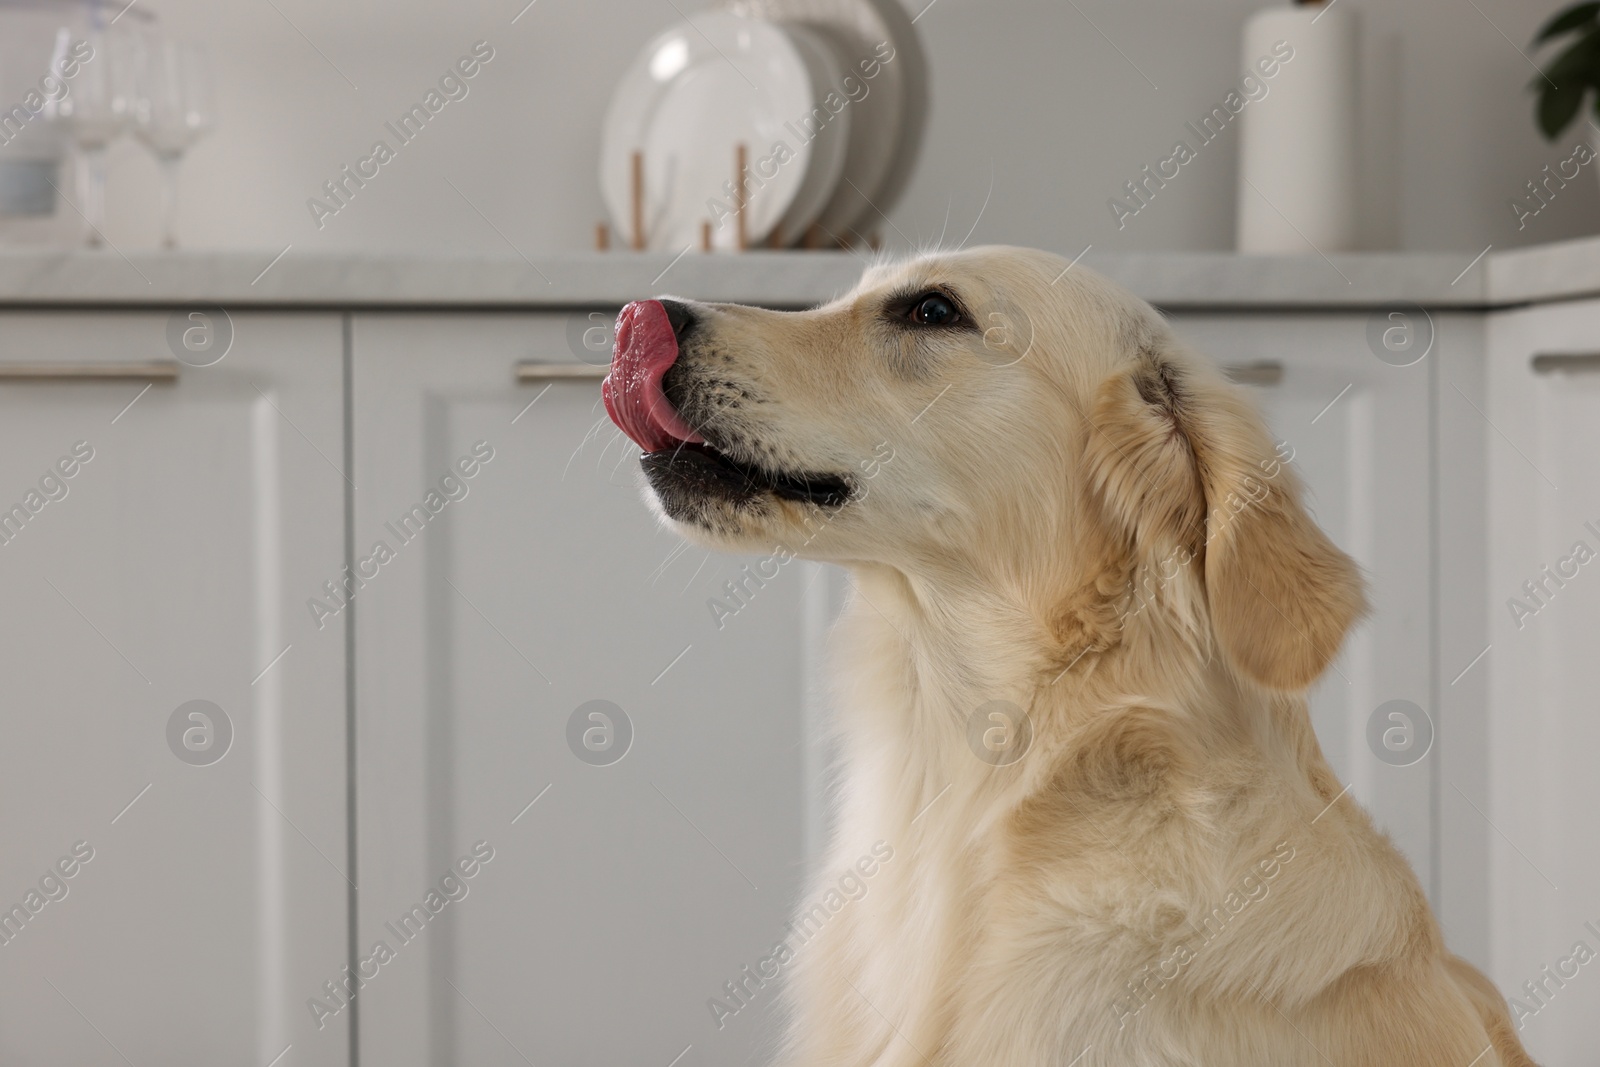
[1361, 434]
[172, 566]
[1544, 627]
[626, 895]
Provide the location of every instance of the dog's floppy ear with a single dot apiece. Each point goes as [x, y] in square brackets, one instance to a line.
[1184, 465]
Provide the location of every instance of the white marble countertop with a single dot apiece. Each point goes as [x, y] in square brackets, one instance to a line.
[1177, 280]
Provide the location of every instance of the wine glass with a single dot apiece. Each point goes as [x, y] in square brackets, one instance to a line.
[98, 108]
[173, 110]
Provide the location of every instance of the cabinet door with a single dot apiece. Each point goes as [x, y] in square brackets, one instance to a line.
[1359, 429]
[1544, 674]
[173, 878]
[646, 849]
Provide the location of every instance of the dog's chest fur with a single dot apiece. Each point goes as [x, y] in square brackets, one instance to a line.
[986, 875]
[1025, 909]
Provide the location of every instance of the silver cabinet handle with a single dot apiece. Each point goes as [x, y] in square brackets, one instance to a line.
[529, 370]
[1566, 362]
[1262, 372]
[151, 370]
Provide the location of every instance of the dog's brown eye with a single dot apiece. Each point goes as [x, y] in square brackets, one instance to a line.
[934, 310]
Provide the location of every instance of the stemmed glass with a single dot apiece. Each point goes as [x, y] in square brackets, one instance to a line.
[173, 110]
[98, 108]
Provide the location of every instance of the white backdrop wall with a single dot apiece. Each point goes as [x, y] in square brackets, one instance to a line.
[1058, 103]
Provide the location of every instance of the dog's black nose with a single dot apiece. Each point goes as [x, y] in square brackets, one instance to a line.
[679, 315]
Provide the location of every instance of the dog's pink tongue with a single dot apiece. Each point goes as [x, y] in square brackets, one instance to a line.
[645, 348]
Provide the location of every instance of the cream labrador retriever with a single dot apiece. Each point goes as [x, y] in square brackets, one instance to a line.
[1087, 603]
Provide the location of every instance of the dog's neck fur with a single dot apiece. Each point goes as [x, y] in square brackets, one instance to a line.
[920, 653]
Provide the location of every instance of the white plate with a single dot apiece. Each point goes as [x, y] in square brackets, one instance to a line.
[695, 93]
[887, 122]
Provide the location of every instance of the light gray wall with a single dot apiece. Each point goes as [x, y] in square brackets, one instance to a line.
[1028, 91]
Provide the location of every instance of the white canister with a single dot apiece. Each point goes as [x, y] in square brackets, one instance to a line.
[1297, 144]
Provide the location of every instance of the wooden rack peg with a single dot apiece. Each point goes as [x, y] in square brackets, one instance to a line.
[638, 201]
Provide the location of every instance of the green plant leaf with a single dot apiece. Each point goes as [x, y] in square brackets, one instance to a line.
[1570, 19]
[1557, 107]
[1579, 63]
